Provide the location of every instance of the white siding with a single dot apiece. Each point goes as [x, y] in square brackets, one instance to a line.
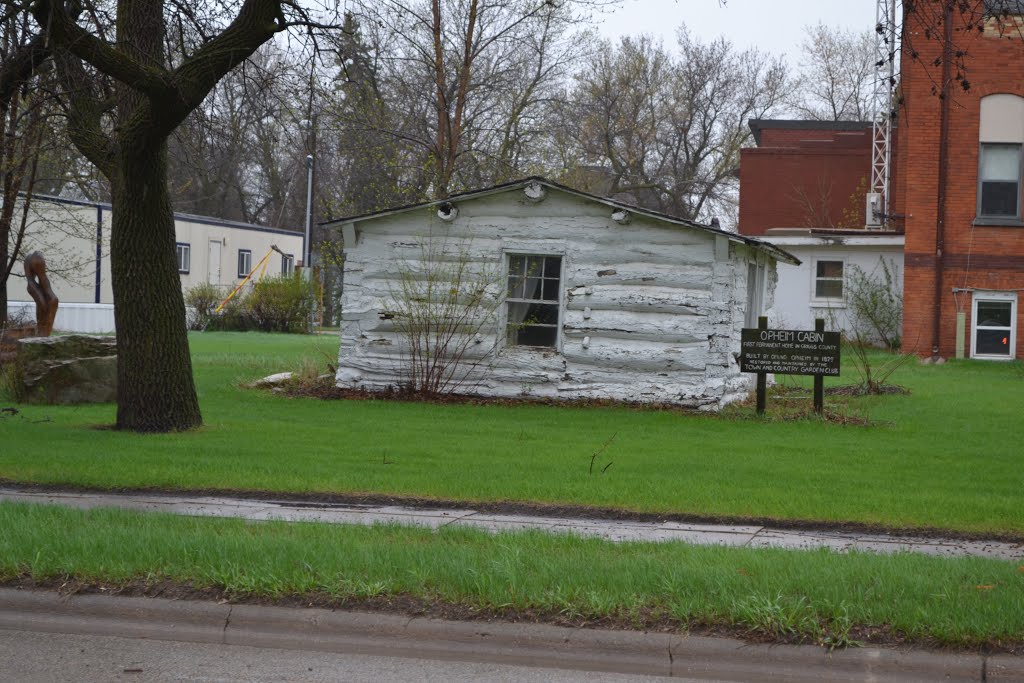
[796, 306]
[66, 235]
[647, 311]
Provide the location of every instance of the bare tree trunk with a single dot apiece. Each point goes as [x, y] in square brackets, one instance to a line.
[155, 389]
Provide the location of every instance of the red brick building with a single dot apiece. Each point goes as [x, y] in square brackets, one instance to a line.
[804, 174]
[960, 187]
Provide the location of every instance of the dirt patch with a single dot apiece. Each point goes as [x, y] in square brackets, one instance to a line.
[646, 619]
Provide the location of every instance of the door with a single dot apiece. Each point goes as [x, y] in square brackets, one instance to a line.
[213, 264]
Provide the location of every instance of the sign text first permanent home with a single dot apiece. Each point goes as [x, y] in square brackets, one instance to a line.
[789, 352]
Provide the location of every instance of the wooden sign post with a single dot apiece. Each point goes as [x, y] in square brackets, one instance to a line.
[790, 352]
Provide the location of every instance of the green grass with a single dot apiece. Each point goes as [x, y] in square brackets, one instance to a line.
[947, 456]
[816, 596]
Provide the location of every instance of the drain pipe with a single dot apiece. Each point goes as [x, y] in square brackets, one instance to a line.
[940, 212]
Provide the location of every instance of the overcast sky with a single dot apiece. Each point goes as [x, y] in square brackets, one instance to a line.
[776, 26]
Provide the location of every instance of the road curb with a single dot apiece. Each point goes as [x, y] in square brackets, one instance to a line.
[624, 652]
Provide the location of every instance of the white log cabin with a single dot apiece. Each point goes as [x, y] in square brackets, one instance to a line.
[586, 297]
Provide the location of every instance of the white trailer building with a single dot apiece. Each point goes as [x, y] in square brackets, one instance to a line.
[74, 238]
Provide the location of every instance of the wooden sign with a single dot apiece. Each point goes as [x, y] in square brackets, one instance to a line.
[790, 352]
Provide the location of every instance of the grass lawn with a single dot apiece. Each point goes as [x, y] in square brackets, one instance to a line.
[820, 596]
[947, 456]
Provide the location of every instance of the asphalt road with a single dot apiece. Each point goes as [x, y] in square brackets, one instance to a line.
[29, 657]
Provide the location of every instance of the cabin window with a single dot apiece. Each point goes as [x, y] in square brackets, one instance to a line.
[184, 251]
[994, 325]
[533, 299]
[828, 280]
[287, 264]
[244, 262]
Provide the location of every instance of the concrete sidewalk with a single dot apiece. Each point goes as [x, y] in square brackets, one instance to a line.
[612, 530]
[530, 645]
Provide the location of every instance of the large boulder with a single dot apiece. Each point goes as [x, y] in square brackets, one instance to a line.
[74, 368]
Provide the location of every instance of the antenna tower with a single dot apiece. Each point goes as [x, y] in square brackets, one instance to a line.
[885, 82]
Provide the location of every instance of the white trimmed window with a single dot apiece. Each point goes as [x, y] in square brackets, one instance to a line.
[184, 251]
[994, 325]
[1000, 159]
[244, 262]
[287, 264]
[828, 280]
[533, 301]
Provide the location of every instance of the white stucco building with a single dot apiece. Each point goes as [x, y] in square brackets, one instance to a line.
[592, 298]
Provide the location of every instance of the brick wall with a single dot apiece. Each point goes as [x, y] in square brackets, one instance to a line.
[978, 257]
[801, 178]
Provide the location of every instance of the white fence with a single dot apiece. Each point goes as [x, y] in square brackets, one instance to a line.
[89, 318]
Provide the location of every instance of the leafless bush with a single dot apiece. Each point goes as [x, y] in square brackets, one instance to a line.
[445, 308]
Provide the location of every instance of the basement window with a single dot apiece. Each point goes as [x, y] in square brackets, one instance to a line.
[828, 280]
[184, 252]
[244, 262]
[533, 300]
[994, 325]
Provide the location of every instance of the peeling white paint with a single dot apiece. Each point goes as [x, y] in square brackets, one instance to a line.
[650, 311]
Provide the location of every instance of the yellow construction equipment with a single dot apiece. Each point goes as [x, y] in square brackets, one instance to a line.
[262, 264]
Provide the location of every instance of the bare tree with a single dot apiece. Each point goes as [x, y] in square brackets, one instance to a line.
[21, 135]
[837, 75]
[664, 130]
[126, 95]
[465, 79]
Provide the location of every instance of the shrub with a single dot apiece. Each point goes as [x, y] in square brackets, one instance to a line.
[201, 301]
[876, 304]
[281, 304]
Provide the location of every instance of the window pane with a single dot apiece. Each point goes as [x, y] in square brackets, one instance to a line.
[553, 266]
[999, 198]
[829, 289]
[516, 286]
[994, 314]
[992, 342]
[517, 265]
[534, 266]
[830, 268]
[1000, 162]
[550, 290]
[533, 336]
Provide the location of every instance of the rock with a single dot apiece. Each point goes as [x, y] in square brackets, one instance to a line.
[74, 368]
[271, 380]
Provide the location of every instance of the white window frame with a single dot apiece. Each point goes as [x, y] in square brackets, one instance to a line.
[287, 264]
[993, 217]
[1001, 122]
[247, 254]
[183, 250]
[827, 301]
[506, 263]
[993, 296]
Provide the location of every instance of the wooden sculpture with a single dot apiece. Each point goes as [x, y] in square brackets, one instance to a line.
[40, 291]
